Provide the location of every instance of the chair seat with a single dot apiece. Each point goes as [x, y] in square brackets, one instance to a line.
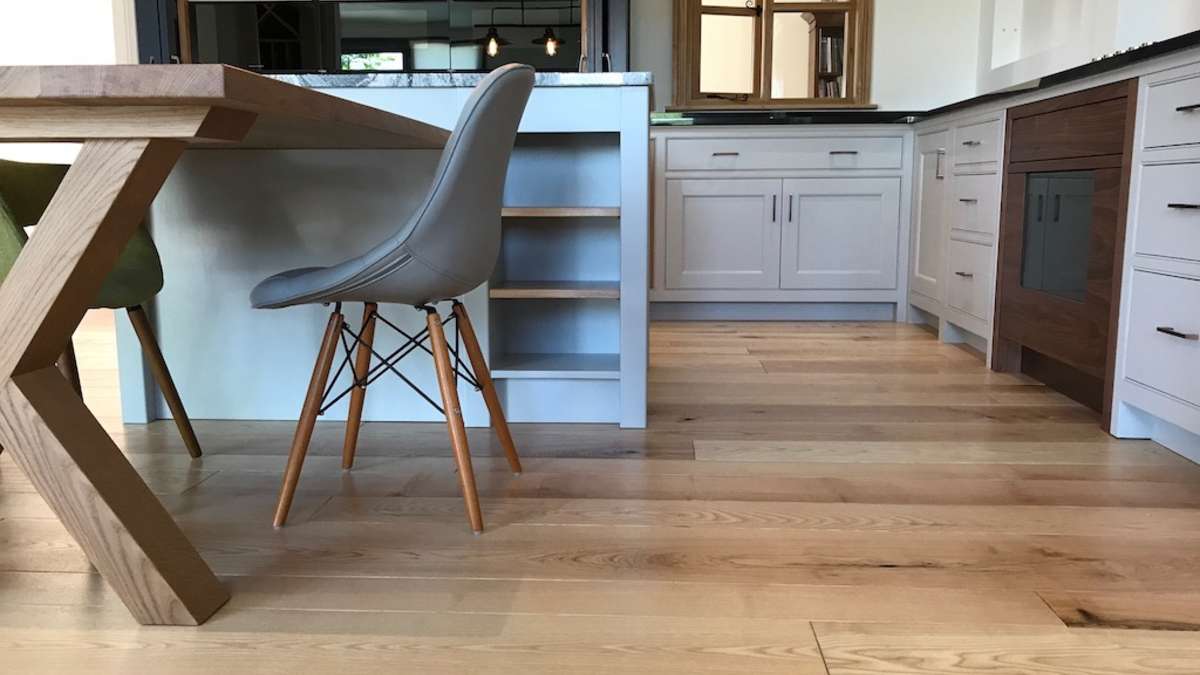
[406, 281]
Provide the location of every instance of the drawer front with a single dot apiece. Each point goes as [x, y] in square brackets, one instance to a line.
[975, 203]
[733, 154]
[1082, 131]
[1168, 211]
[1171, 118]
[969, 278]
[977, 143]
[1157, 359]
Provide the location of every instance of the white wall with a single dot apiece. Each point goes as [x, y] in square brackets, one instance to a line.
[59, 32]
[63, 32]
[1023, 40]
[924, 55]
[650, 27]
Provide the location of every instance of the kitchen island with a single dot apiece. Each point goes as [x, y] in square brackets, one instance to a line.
[563, 321]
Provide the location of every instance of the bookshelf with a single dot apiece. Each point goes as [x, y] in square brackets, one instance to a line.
[830, 57]
[560, 324]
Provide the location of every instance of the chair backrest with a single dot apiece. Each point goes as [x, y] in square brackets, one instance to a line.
[456, 230]
[25, 191]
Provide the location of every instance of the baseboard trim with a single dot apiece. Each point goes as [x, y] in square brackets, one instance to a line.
[772, 311]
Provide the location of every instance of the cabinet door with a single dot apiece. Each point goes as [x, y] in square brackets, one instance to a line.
[929, 230]
[722, 233]
[840, 233]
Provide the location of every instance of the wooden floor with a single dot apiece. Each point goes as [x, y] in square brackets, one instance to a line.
[809, 498]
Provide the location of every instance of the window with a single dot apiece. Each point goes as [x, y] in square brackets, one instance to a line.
[390, 35]
[772, 53]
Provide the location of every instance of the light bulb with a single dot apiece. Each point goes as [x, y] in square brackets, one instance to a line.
[551, 47]
[493, 47]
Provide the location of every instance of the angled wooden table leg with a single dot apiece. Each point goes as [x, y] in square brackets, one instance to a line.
[95, 492]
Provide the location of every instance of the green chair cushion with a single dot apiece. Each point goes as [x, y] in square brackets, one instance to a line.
[25, 191]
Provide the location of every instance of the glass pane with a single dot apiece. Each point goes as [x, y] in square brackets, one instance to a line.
[1058, 231]
[393, 36]
[727, 54]
[543, 33]
[793, 48]
[267, 36]
[831, 55]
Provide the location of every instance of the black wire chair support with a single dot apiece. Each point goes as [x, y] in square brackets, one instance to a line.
[351, 341]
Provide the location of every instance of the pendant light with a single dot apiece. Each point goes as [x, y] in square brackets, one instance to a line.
[493, 42]
[550, 41]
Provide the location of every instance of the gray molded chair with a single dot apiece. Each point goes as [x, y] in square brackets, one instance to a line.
[448, 247]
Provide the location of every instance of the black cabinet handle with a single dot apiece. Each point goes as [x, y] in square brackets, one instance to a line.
[1057, 207]
[1167, 330]
[971, 144]
[968, 200]
[1177, 205]
[774, 208]
[1041, 208]
[843, 152]
[726, 154]
[965, 275]
[790, 213]
[1187, 108]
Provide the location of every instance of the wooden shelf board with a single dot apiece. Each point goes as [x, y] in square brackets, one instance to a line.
[555, 290]
[556, 366]
[561, 212]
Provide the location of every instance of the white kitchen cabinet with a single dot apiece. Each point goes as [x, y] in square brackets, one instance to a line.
[929, 226]
[1156, 392]
[956, 218]
[722, 233]
[840, 233]
[772, 222]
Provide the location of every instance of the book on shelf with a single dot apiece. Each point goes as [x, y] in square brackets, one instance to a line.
[829, 61]
[831, 88]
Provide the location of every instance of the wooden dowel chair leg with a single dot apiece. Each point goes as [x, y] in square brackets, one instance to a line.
[484, 376]
[162, 375]
[308, 417]
[362, 365]
[69, 367]
[454, 420]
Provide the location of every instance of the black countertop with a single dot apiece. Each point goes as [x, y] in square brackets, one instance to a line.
[862, 116]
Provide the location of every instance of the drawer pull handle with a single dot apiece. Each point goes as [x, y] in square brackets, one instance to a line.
[968, 200]
[965, 275]
[1167, 330]
[1187, 108]
[1177, 205]
[726, 154]
[937, 171]
[971, 144]
[843, 152]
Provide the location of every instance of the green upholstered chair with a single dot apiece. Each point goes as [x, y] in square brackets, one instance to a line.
[25, 191]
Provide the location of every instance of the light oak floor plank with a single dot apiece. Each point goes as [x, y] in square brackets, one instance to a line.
[809, 498]
[925, 649]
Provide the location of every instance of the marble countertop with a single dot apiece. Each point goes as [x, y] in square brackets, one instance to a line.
[436, 80]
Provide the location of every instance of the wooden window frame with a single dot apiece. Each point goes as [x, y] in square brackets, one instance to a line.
[856, 72]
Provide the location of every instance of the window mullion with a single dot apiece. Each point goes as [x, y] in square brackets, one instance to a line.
[764, 46]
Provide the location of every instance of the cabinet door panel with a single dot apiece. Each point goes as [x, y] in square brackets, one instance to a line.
[840, 233]
[722, 233]
[929, 230]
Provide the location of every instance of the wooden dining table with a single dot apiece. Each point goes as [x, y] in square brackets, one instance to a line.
[134, 123]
